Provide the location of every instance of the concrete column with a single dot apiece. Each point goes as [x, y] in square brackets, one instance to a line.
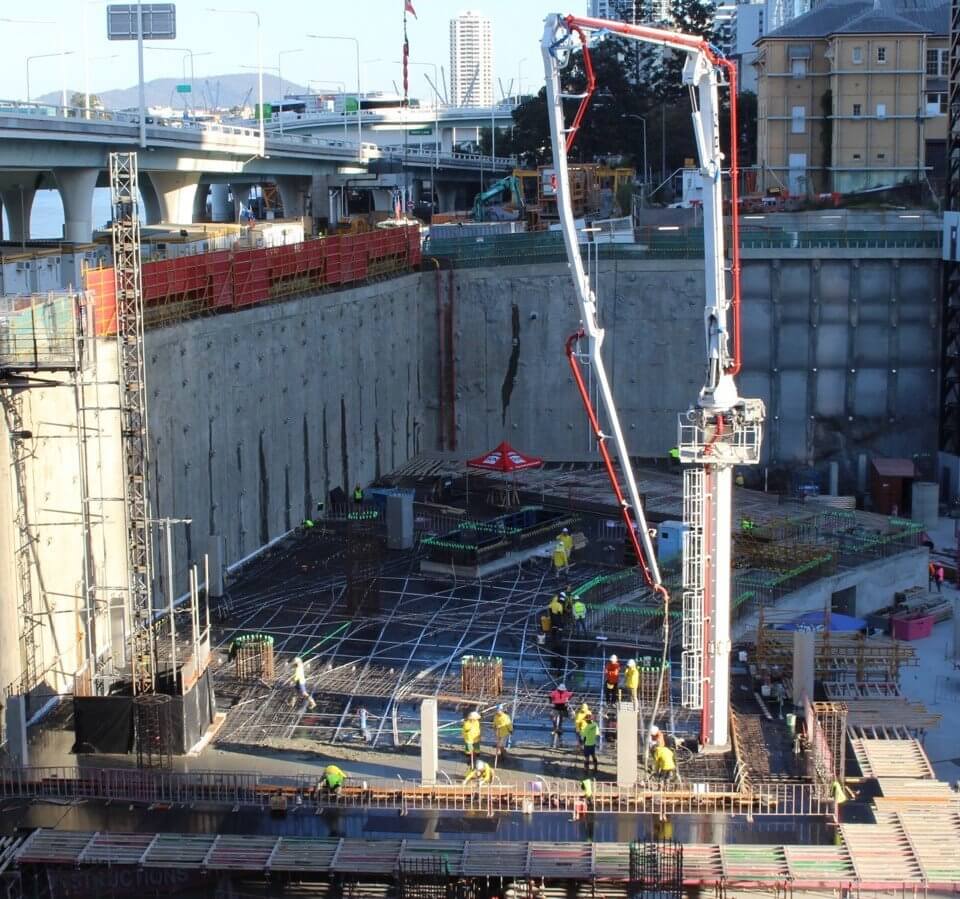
[151, 205]
[18, 202]
[446, 140]
[446, 198]
[293, 194]
[804, 660]
[200, 203]
[15, 719]
[241, 197]
[429, 742]
[221, 209]
[76, 192]
[175, 193]
[626, 745]
[216, 560]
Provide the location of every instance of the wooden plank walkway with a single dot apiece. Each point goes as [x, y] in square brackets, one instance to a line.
[891, 758]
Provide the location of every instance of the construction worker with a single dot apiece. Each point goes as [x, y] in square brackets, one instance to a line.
[665, 765]
[611, 679]
[556, 610]
[333, 779]
[586, 792]
[931, 575]
[481, 772]
[502, 729]
[307, 524]
[358, 495]
[589, 735]
[471, 736]
[579, 719]
[559, 697]
[840, 793]
[579, 617]
[560, 558]
[941, 575]
[747, 525]
[300, 680]
[567, 541]
[656, 738]
[631, 680]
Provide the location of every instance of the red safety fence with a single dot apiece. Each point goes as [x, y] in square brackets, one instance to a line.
[225, 280]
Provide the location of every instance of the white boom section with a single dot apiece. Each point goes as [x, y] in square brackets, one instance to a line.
[586, 299]
[722, 430]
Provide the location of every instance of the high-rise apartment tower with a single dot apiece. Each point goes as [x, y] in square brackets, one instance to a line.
[471, 60]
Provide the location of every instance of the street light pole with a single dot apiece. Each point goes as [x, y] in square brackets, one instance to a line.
[356, 45]
[280, 56]
[186, 52]
[436, 111]
[43, 56]
[252, 12]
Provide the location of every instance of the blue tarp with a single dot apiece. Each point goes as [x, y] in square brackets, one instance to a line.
[837, 622]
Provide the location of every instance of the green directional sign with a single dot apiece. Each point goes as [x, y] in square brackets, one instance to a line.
[184, 88]
[421, 131]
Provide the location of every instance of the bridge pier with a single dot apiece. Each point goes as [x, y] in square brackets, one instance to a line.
[76, 193]
[446, 198]
[221, 209]
[18, 201]
[293, 193]
[200, 203]
[175, 194]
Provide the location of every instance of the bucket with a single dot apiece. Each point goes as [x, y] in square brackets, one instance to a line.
[791, 723]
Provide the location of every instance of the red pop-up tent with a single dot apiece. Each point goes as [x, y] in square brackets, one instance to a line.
[506, 459]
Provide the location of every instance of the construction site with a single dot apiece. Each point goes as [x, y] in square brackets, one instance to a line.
[336, 569]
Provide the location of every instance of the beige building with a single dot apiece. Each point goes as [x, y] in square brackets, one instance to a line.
[853, 95]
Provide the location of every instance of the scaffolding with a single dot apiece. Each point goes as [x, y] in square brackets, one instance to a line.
[38, 332]
[828, 741]
[152, 730]
[124, 190]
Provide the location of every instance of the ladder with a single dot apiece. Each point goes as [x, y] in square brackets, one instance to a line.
[691, 660]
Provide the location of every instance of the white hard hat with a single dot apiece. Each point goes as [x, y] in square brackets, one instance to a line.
[481, 765]
[654, 730]
[563, 593]
[613, 658]
[500, 707]
[561, 686]
[474, 716]
[565, 531]
[632, 663]
[297, 660]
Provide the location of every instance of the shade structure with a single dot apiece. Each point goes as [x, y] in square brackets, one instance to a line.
[504, 458]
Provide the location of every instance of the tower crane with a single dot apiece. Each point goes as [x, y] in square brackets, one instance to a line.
[721, 429]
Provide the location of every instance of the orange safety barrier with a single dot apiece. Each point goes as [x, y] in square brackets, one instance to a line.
[235, 279]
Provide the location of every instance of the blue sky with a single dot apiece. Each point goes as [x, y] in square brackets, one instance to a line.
[231, 42]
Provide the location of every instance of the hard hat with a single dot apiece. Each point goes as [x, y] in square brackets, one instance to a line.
[563, 594]
[565, 531]
[297, 660]
[474, 716]
[631, 663]
[481, 765]
[561, 686]
[500, 707]
[585, 707]
[654, 730]
[613, 658]
[589, 714]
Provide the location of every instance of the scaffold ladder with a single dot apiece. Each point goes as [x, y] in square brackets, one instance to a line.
[26, 612]
[691, 660]
[124, 190]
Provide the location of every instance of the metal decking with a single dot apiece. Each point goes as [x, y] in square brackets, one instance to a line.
[904, 851]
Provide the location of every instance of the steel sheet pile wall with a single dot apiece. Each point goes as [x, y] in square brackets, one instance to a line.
[189, 286]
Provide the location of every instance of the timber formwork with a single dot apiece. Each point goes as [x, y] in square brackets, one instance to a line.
[903, 853]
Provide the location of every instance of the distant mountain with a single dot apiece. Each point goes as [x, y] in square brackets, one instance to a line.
[209, 92]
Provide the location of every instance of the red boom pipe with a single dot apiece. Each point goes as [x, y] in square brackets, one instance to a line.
[608, 464]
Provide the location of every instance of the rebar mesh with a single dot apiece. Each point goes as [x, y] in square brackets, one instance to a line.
[152, 713]
[363, 557]
[656, 870]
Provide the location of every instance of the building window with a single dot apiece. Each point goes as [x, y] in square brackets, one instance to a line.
[856, 155]
[881, 54]
[881, 110]
[798, 68]
[938, 62]
[857, 56]
[799, 120]
[856, 110]
[936, 103]
[881, 155]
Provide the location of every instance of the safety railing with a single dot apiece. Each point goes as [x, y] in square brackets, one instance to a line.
[39, 331]
[539, 795]
[428, 154]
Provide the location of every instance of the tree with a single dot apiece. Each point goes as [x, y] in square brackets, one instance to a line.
[79, 100]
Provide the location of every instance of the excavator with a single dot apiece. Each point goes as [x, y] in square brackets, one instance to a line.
[721, 429]
[487, 206]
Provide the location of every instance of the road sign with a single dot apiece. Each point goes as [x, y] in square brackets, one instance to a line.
[184, 88]
[159, 21]
[421, 131]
